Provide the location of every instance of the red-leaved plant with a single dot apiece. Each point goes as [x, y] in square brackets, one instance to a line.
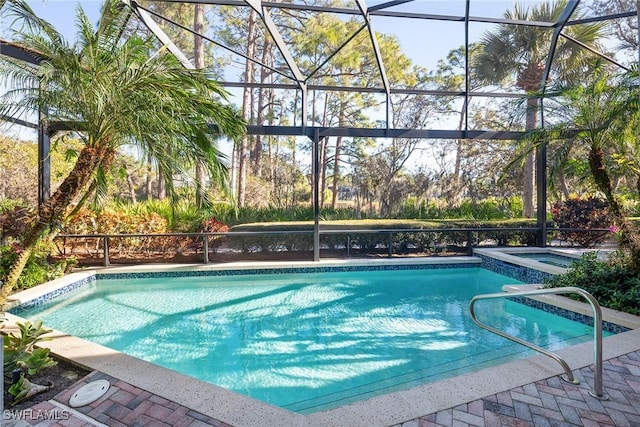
[213, 225]
[589, 213]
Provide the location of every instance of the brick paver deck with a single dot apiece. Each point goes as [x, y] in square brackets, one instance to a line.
[550, 402]
[122, 405]
[553, 402]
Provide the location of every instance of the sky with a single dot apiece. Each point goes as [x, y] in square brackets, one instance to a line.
[443, 36]
[61, 13]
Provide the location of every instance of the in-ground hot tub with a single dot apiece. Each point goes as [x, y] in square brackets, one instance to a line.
[529, 264]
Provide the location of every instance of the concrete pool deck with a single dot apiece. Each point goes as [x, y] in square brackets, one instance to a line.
[515, 393]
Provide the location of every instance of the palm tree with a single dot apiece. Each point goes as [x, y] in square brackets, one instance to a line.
[517, 54]
[601, 118]
[112, 93]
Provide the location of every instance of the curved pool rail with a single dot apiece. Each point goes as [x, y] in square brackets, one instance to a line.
[598, 391]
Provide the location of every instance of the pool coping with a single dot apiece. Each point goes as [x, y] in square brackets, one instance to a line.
[393, 408]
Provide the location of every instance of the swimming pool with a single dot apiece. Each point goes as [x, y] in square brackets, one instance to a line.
[307, 342]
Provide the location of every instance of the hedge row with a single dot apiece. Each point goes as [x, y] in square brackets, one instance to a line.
[298, 235]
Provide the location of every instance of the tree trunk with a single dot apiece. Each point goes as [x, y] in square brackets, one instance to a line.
[162, 187]
[198, 58]
[530, 80]
[630, 235]
[336, 157]
[603, 181]
[528, 172]
[293, 162]
[28, 244]
[457, 170]
[563, 185]
[264, 104]
[454, 194]
[336, 172]
[52, 213]
[132, 188]
[322, 150]
[385, 197]
[246, 108]
[149, 180]
[233, 180]
[242, 170]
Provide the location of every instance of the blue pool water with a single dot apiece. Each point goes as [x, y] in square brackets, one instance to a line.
[549, 258]
[309, 342]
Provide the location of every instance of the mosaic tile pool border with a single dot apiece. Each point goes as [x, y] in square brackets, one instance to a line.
[290, 270]
[519, 272]
[568, 314]
[43, 299]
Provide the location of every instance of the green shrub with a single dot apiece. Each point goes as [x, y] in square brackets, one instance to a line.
[184, 216]
[38, 268]
[111, 221]
[14, 221]
[610, 281]
[483, 210]
[298, 235]
[289, 236]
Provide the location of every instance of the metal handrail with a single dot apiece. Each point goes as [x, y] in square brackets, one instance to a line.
[598, 391]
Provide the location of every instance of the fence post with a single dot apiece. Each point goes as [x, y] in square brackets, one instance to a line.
[469, 242]
[105, 251]
[348, 245]
[205, 248]
[390, 244]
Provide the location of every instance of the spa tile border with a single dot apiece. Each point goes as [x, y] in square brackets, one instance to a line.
[518, 272]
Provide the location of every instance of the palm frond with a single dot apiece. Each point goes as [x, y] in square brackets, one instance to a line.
[508, 50]
[22, 13]
[116, 92]
[101, 185]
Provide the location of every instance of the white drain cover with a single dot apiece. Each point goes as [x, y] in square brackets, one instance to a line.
[89, 393]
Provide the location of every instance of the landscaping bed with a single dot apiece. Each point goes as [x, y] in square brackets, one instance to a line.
[63, 376]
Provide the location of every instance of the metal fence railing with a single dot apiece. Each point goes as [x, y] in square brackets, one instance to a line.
[338, 242]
